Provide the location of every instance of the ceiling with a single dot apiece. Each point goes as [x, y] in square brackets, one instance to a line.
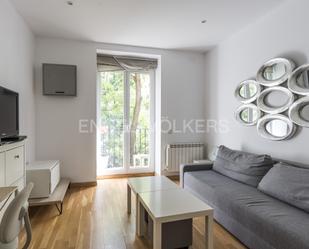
[169, 24]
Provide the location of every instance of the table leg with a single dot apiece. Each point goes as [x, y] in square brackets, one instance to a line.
[157, 235]
[209, 231]
[128, 199]
[138, 217]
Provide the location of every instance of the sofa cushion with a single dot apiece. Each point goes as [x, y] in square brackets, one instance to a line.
[287, 183]
[242, 166]
[271, 221]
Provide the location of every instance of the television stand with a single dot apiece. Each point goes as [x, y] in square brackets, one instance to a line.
[14, 139]
[56, 198]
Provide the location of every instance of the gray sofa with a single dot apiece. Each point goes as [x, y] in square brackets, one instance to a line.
[258, 220]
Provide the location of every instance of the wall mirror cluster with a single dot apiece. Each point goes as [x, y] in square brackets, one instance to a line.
[277, 101]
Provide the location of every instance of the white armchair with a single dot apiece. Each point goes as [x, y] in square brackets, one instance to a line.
[13, 218]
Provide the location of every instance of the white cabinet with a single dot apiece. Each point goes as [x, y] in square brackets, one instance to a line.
[14, 161]
[12, 164]
[2, 171]
[12, 168]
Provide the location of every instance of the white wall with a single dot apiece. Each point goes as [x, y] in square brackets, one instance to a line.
[16, 68]
[182, 93]
[280, 33]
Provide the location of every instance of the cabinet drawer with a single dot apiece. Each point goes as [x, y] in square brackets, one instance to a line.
[2, 171]
[14, 165]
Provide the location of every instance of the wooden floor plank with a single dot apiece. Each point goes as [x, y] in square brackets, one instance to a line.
[95, 217]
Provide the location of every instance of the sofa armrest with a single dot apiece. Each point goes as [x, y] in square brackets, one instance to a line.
[193, 167]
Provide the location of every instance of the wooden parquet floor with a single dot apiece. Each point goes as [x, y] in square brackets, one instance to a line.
[96, 218]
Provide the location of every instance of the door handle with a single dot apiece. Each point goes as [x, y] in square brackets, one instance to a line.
[16, 156]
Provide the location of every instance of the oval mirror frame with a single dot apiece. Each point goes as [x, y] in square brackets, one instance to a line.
[262, 130]
[289, 66]
[275, 110]
[292, 82]
[251, 99]
[242, 108]
[294, 112]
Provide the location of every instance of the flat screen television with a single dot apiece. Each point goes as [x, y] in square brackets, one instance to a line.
[9, 123]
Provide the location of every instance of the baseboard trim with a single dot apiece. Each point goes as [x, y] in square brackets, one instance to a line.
[83, 184]
[167, 173]
[174, 177]
[125, 175]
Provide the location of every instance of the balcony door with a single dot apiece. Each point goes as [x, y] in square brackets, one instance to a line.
[126, 117]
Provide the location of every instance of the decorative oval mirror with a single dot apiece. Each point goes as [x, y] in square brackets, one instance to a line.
[275, 100]
[299, 112]
[275, 127]
[299, 80]
[247, 91]
[275, 71]
[248, 114]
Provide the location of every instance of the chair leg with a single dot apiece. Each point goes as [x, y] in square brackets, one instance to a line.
[28, 230]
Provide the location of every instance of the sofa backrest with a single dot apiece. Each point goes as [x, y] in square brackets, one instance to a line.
[242, 166]
[291, 163]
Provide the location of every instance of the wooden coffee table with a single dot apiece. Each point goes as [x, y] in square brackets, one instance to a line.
[147, 184]
[173, 205]
[139, 185]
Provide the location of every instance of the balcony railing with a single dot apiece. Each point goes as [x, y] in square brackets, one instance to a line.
[112, 147]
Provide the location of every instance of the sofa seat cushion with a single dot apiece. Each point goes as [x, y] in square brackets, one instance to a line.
[279, 224]
[242, 166]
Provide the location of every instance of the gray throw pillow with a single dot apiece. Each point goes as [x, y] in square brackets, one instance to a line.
[287, 183]
[244, 167]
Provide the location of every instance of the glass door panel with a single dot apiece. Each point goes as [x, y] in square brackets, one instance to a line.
[139, 119]
[112, 120]
[126, 110]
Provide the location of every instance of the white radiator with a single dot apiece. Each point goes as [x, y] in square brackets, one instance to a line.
[177, 154]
